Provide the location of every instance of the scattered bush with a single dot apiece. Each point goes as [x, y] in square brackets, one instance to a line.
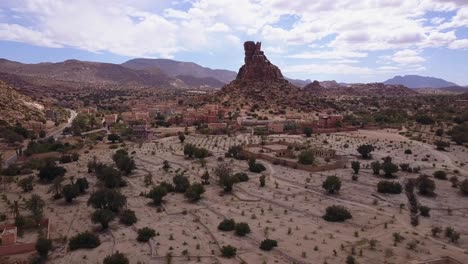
[306, 157]
[332, 184]
[116, 258]
[194, 192]
[227, 225]
[242, 229]
[337, 213]
[128, 217]
[389, 187]
[365, 151]
[145, 234]
[228, 251]
[84, 240]
[103, 217]
[268, 244]
[424, 210]
[441, 175]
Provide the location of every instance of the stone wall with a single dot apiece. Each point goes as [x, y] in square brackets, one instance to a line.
[22, 247]
[340, 161]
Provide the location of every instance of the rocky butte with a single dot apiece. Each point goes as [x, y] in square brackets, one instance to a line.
[261, 82]
[257, 66]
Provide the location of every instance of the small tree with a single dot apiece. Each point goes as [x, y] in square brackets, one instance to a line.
[194, 192]
[306, 157]
[389, 169]
[35, 204]
[70, 192]
[332, 184]
[268, 244]
[145, 234]
[227, 225]
[441, 175]
[166, 166]
[181, 183]
[365, 151]
[376, 167]
[128, 217]
[206, 178]
[50, 171]
[262, 180]
[157, 194]
[82, 184]
[181, 138]
[228, 251]
[43, 246]
[116, 258]
[242, 229]
[337, 213]
[26, 184]
[107, 199]
[426, 186]
[356, 166]
[103, 217]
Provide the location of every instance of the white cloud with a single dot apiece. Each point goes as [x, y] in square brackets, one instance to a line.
[328, 55]
[327, 69]
[407, 57]
[459, 44]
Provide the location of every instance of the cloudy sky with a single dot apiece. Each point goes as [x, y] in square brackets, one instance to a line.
[345, 40]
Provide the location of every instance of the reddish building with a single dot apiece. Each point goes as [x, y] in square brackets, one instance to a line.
[330, 121]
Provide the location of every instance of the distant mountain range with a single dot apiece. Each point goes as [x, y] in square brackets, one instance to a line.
[179, 68]
[416, 81]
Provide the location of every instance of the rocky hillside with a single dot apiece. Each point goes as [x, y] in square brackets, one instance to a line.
[334, 89]
[16, 107]
[85, 72]
[179, 68]
[261, 83]
[416, 81]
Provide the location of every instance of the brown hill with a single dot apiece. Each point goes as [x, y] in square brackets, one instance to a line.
[261, 83]
[367, 89]
[85, 72]
[16, 107]
[177, 68]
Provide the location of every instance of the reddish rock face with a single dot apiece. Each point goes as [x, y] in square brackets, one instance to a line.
[257, 66]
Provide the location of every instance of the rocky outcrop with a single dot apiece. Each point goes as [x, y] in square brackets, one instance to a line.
[257, 66]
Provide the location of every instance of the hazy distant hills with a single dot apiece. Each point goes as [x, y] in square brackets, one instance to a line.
[416, 81]
[179, 68]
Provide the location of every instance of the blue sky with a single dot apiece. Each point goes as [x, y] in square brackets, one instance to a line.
[343, 40]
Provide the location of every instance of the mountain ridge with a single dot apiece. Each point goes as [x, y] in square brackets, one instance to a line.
[417, 81]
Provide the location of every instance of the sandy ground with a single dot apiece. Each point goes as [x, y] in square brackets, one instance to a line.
[288, 209]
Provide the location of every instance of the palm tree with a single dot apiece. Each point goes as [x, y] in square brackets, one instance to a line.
[36, 205]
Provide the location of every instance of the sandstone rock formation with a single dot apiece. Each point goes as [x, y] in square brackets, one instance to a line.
[257, 66]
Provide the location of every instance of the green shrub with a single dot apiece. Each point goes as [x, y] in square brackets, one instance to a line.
[145, 234]
[116, 258]
[228, 251]
[337, 213]
[84, 240]
[227, 225]
[268, 244]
